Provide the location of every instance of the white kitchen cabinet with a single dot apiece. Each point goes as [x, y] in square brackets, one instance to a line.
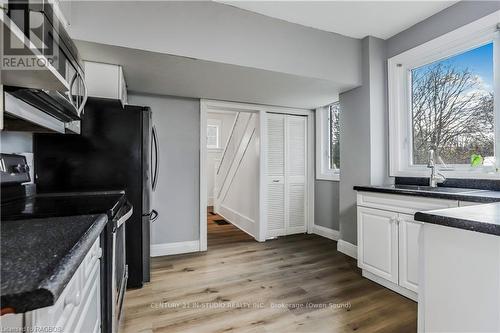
[388, 238]
[11, 322]
[105, 81]
[409, 231]
[469, 203]
[77, 310]
[377, 231]
[62, 9]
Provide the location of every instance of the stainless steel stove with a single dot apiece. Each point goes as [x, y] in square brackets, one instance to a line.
[19, 201]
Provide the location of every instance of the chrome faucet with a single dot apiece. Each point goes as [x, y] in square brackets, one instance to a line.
[436, 176]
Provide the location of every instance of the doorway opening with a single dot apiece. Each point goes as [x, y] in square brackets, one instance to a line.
[239, 177]
[232, 170]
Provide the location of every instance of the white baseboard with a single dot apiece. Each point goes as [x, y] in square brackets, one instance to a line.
[210, 201]
[167, 249]
[347, 248]
[240, 221]
[326, 232]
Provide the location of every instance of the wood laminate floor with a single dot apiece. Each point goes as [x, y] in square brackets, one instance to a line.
[297, 283]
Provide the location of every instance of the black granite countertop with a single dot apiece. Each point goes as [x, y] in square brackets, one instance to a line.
[39, 256]
[481, 218]
[451, 193]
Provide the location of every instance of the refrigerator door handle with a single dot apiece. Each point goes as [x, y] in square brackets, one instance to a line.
[155, 146]
[153, 215]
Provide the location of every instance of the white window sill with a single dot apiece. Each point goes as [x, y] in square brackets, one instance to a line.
[331, 177]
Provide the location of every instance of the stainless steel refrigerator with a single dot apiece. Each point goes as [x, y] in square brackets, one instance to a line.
[117, 149]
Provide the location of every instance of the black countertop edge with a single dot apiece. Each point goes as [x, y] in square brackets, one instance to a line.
[49, 290]
[459, 223]
[476, 197]
[491, 184]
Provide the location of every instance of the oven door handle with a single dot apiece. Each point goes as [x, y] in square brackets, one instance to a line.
[124, 218]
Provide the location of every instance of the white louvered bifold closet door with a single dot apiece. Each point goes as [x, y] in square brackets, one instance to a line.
[286, 146]
[295, 173]
[276, 174]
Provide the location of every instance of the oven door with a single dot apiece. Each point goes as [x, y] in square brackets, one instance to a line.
[120, 271]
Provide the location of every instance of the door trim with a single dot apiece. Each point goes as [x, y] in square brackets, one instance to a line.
[207, 105]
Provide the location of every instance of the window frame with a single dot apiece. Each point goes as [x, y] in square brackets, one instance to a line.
[323, 171]
[466, 38]
[217, 137]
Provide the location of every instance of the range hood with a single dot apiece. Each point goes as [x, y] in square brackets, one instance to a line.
[39, 111]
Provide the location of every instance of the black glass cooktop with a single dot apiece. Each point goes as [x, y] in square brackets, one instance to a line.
[63, 204]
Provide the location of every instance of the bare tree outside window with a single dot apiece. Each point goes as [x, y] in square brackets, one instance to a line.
[452, 107]
[334, 135]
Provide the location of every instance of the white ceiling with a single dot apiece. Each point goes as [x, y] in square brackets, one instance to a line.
[358, 19]
[164, 74]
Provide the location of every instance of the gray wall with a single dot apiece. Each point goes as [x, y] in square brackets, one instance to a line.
[443, 22]
[16, 142]
[178, 193]
[364, 131]
[354, 150]
[326, 204]
[379, 116]
[217, 32]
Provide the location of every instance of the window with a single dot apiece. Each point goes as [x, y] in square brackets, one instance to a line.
[213, 137]
[328, 142]
[452, 107]
[441, 97]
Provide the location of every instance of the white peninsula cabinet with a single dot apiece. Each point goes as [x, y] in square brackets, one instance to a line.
[78, 308]
[388, 238]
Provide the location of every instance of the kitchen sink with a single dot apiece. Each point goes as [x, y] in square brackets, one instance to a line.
[436, 189]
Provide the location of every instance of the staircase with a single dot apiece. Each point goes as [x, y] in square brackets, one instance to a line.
[236, 166]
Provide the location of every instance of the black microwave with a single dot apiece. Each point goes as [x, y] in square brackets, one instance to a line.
[40, 23]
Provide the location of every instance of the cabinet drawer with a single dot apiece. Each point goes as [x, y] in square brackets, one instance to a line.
[402, 203]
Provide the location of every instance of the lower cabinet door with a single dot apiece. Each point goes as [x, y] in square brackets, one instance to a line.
[409, 230]
[89, 316]
[378, 242]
